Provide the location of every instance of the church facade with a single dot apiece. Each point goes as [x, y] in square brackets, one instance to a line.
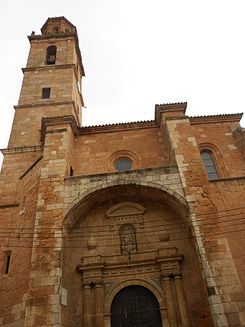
[134, 224]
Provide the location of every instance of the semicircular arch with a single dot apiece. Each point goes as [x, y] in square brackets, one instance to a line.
[71, 213]
[148, 284]
[217, 156]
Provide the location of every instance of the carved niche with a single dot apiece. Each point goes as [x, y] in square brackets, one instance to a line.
[128, 241]
[125, 219]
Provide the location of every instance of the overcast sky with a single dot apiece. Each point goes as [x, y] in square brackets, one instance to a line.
[136, 53]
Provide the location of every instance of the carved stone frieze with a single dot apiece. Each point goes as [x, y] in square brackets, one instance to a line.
[117, 221]
[163, 262]
[125, 213]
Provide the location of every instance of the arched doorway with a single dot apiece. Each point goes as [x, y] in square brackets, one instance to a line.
[135, 306]
[154, 244]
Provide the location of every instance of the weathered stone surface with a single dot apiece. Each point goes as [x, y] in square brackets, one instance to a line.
[183, 235]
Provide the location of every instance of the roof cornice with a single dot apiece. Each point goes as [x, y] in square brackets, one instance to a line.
[225, 118]
[52, 121]
[117, 127]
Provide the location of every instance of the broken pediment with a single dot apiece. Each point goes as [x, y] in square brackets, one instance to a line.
[125, 209]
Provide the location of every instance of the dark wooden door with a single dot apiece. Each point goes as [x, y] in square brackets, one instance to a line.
[135, 306]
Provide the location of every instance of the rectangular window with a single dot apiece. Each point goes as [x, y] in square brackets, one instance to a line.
[46, 91]
[7, 262]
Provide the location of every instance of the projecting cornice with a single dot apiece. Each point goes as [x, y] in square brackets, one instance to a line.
[45, 102]
[110, 128]
[172, 106]
[170, 110]
[226, 118]
[44, 67]
[117, 127]
[22, 149]
[52, 121]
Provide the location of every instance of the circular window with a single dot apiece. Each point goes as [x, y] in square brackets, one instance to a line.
[123, 164]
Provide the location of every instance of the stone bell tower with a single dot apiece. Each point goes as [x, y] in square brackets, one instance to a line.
[37, 158]
[52, 81]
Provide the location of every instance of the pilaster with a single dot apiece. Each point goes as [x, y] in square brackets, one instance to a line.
[43, 305]
[197, 189]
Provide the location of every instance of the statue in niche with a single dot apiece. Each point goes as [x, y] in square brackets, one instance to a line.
[128, 240]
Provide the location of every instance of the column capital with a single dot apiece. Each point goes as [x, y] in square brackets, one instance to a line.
[98, 284]
[172, 275]
[178, 276]
[87, 285]
[165, 277]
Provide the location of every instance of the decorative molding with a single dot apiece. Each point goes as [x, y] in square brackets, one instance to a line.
[58, 130]
[125, 213]
[118, 127]
[22, 149]
[164, 169]
[125, 209]
[165, 262]
[169, 107]
[123, 154]
[44, 103]
[117, 221]
[44, 67]
[181, 106]
[147, 283]
[226, 118]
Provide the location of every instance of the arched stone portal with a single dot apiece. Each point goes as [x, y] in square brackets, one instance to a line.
[135, 306]
[159, 249]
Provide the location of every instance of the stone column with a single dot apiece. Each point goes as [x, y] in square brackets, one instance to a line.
[181, 301]
[87, 305]
[98, 310]
[167, 288]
